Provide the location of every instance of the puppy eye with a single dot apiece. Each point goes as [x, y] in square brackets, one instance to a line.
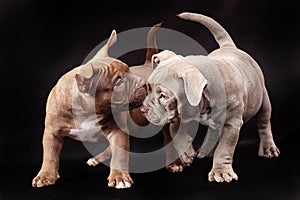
[162, 96]
[119, 82]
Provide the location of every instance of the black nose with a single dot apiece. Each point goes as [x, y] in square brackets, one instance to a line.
[144, 109]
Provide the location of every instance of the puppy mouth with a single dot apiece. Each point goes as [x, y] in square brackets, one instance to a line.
[144, 110]
[134, 105]
[124, 107]
[152, 118]
[136, 100]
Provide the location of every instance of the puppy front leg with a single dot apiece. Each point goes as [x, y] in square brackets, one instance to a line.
[119, 145]
[223, 157]
[183, 142]
[52, 147]
[173, 163]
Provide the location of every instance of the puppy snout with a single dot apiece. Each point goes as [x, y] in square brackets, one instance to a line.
[144, 109]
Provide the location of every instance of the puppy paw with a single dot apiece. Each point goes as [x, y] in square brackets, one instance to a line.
[120, 180]
[176, 166]
[44, 179]
[92, 162]
[267, 148]
[222, 174]
[188, 157]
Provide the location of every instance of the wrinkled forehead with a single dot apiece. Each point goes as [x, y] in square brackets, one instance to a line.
[166, 79]
[160, 74]
[106, 71]
[114, 64]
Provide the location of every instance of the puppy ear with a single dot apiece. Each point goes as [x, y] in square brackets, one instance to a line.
[84, 78]
[103, 52]
[194, 83]
[155, 61]
[162, 56]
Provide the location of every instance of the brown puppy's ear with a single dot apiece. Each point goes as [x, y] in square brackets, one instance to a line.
[151, 43]
[84, 78]
[162, 56]
[103, 52]
[194, 83]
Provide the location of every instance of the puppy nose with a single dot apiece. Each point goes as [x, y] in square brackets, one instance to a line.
[144, 109]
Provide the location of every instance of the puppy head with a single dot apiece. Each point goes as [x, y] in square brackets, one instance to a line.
[110, 82]
[173, 85]
[160, 105]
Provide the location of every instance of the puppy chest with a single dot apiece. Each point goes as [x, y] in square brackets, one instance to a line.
[87, 129]
[206, 120]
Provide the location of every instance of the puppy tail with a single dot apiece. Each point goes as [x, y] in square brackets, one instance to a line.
[151, 43]
[220, 34]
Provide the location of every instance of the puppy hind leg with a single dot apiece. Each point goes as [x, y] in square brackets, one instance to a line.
[267, 147]
[52, 147]
[101, 157]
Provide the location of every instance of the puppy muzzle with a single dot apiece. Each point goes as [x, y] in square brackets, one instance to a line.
[138, 96]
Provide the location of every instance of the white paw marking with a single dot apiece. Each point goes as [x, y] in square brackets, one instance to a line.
[127, 184]
[92, 162]
[121, 185]
[39, 183]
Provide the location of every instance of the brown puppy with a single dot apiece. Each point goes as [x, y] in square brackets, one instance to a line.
[80, 107]
[144, 72]
[222, 90]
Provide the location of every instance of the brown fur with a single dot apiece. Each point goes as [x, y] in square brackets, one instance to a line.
[86, 94]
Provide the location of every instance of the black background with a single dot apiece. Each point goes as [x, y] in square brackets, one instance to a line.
[41, 40]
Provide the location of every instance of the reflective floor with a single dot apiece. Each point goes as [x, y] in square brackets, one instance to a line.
[259, 178]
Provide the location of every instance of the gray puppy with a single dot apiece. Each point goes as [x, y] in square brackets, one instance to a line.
[222, 91]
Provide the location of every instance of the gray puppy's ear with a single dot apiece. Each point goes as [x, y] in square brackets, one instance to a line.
[194, 83]
[155, 61]
[162, 56]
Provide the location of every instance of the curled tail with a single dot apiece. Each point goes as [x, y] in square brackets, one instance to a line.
[151, 43]
[219, 33]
